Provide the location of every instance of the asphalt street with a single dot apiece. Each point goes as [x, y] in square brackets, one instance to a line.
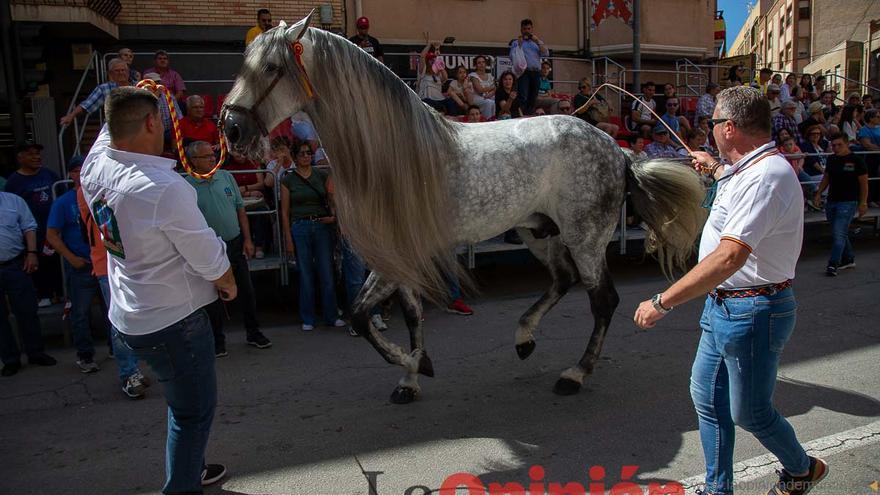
[311, 415]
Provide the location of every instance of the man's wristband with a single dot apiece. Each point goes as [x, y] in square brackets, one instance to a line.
[32, 252]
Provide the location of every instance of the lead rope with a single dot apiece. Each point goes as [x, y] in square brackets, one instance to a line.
[160, 90]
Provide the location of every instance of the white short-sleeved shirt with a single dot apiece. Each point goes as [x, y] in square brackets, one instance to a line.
[643, 107]
[759, 204]
[161, 253]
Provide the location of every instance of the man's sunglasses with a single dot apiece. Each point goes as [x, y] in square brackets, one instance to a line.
[717, 121]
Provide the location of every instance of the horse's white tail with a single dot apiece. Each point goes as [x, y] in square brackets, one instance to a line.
[668, 196]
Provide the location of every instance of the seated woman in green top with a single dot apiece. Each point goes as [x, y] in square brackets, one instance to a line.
[310, 233]
[585, 91]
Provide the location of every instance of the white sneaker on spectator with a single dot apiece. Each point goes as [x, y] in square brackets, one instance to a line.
[378, 323]
[339, 323]
[44, 303]
[307, 328]
[259, 254]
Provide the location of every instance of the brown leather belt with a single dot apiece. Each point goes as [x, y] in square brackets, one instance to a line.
[763, 290]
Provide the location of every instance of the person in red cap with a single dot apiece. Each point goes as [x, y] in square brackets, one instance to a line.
[368, 43]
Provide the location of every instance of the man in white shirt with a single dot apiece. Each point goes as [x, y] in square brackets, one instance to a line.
[164, 265]
[748, 253]
[641, 120]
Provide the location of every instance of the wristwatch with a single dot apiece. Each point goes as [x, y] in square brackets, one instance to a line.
[657, 303]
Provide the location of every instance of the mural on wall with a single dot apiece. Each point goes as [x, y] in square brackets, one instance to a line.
[603, 9]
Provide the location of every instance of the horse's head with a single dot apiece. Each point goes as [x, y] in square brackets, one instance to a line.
[271, 86]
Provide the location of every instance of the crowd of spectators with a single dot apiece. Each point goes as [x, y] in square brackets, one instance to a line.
[294, 179]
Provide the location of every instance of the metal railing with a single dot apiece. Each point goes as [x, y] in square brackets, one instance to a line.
[79, 128]
[690, 70]
[110, 55]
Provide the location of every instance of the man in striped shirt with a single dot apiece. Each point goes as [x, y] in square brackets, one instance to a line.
[118, 72]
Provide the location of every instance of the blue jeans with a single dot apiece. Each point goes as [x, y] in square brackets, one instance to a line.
[839, 215]
[182, 356]
[81, 289]
[314, 242]
[527, 90]
[17, 285]
[733, 378]
[125, 359]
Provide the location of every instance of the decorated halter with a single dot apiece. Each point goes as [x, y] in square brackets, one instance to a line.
[160, 90]
[297, 48]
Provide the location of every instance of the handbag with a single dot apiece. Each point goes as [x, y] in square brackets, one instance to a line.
[599, 111]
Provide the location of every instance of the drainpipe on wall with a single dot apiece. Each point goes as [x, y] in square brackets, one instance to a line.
[580, 26]
[358, 9]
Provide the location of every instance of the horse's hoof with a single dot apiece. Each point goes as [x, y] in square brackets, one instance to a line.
[525, 349]
[403, 395]
[426, 367]
[566, 386]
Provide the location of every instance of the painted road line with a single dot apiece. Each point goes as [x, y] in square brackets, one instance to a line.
[764, 465]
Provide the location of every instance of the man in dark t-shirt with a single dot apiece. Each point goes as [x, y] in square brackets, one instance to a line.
[847, 176]
[33, 183]
[367, 43]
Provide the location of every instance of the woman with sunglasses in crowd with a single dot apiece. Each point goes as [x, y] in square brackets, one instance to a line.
[595, 110]
[309, 231]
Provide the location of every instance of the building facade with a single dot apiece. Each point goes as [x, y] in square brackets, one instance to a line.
[828, 37]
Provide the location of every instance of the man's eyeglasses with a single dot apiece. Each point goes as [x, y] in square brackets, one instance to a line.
[304, 153]
[672, 104]
[203, 157]
[717, 121]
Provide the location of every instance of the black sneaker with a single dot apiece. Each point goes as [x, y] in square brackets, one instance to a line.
[133, 387]
[851, 263]
[42, 359]
[87, 365]
[800, 485]
[10, 369]
[212, 473]
[831, 271]
[220, 351]
[258, 340]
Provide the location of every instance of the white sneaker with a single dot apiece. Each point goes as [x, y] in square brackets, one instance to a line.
[307, 328]
[44, 303]
[339, 323]
[259, 254]
[378, 323]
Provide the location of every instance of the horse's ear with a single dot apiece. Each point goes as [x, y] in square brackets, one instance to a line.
[295, 32]
[282, 24]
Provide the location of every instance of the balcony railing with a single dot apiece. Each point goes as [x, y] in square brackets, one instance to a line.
[105, 8]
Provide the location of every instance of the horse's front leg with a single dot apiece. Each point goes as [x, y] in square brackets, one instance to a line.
[408, 387]
[374, 291]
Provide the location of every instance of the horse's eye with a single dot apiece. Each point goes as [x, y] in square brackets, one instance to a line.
[270, 67]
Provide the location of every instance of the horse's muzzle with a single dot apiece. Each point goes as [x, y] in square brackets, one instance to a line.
[239, 128]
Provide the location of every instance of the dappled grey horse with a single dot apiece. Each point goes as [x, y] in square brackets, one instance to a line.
[411, 185]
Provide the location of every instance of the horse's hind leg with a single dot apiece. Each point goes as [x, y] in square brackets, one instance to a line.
[408, 387]
[603, 302]
[564, 275]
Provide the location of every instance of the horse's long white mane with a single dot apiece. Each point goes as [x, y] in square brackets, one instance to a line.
[389, 154]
